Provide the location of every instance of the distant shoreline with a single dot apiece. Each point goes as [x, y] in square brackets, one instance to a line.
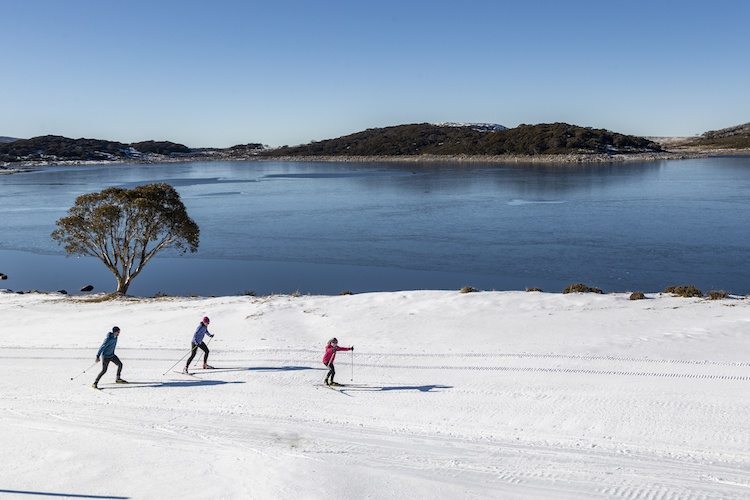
[557, 158]
[682, 154]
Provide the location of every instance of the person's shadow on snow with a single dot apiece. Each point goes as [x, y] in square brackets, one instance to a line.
[420, 388]
[171, 384]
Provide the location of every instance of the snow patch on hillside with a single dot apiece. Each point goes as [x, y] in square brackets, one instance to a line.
[481, 127]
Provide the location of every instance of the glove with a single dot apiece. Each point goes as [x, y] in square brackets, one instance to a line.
[97, 359]
[352, 348]
[211, 335]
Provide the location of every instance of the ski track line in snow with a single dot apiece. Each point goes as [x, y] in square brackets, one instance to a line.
[518, 369]
[584, 371]
[460, 366]
[628, 370]
[316, 354]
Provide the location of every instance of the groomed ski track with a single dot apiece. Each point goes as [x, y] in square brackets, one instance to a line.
[511, 424]
[479, 396]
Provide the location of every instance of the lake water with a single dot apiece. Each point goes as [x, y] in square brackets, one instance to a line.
[331, 227]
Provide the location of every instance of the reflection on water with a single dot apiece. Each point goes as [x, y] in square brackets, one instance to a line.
[329, 227]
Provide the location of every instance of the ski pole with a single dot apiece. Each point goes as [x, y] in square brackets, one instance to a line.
[178, 361]
[352, 379]
[196, 358]
[84, 371]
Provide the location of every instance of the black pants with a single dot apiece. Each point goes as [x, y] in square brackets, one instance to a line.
[331, 372]
[194, 350]
[105, 365]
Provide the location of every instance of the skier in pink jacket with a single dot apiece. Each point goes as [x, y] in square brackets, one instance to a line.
[197, 342]
[331, 349]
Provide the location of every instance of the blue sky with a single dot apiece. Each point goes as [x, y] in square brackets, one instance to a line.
[220, 73]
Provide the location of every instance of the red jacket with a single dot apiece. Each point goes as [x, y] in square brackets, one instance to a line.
[330, 354]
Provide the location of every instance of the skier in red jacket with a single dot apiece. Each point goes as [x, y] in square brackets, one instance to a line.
[331, 349]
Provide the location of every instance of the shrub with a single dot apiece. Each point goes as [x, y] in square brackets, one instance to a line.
[684, 291]
[346, 292]
[637, 296]
[717, 294]
[534, 289]
[581, 288]
[468, 289]
[104, 297]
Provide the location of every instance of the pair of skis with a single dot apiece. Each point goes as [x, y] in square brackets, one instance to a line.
[118, 382]
[192, 374]
[339, 387]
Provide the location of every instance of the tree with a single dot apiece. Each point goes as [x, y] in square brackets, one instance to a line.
[125, 228]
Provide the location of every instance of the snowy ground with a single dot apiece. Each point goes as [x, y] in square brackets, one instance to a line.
[507, 395]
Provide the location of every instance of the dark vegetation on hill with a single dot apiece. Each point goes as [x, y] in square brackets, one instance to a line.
[55, 147]
[428, 139]
[402, 140]
[159, 147]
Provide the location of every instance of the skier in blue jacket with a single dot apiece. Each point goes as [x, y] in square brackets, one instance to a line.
[197, 342]
[107, 353]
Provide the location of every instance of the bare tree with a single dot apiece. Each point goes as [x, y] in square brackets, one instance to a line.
[125, 228]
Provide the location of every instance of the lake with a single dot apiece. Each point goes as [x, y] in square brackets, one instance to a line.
[324, 228]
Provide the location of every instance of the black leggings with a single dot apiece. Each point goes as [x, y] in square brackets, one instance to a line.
[331, 372]
[105, 365]
[194, 350]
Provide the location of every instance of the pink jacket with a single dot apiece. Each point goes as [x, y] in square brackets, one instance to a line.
[330, 354]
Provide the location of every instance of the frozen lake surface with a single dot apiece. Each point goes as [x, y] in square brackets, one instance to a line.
[330, 227]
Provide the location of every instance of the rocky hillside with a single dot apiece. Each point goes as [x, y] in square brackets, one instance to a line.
[737, 137]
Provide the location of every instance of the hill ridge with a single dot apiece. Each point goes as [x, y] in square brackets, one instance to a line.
[444, 139]
[437, 139]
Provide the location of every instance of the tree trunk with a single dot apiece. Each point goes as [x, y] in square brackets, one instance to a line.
[122, 286]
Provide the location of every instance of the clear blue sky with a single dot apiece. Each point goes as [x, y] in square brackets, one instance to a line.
[219, 73]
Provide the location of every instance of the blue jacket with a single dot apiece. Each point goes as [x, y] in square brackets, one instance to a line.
[200, 332]
[107, 350]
